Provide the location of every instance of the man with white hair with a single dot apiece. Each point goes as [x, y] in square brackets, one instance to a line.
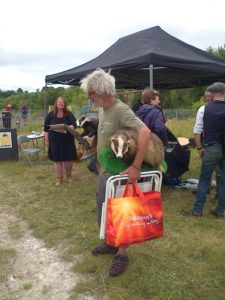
[113, 115]
[212, 151]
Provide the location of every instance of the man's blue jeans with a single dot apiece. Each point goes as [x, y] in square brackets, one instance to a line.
[213, 155]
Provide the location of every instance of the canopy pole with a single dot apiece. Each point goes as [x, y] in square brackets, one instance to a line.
[45, 102]
[151, 76]
[127, 101]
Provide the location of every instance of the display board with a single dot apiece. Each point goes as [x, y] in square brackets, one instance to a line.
[8, 144]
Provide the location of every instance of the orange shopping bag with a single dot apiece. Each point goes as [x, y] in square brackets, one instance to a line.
[134, 218]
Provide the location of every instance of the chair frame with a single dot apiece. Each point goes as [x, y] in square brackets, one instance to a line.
[28, 152]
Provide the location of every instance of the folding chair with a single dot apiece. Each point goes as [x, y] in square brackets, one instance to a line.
[26, 150]
[115, 186]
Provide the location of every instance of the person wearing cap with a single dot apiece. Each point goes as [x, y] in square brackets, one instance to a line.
[212, 151]
[198, 129]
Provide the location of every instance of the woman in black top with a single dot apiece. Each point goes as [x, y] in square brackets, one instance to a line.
[61, 144]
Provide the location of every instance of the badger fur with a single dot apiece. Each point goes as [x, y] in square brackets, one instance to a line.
[90, 126]
[124, 145]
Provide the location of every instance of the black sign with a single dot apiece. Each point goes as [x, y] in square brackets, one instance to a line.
[8, 144]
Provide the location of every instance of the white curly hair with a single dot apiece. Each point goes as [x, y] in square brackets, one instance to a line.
[100, 82]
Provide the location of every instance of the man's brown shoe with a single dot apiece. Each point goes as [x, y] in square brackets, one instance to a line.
[119, 265]
[104, 249]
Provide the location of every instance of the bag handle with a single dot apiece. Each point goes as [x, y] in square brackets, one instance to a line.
[127, 191]
[136, 191]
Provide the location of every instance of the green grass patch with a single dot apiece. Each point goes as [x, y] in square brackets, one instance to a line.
[187, 263]
[27, 286]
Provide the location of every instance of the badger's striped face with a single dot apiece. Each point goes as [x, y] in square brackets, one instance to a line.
[119, 146]
[82, 121]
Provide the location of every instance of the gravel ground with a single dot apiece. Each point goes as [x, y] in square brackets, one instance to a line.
[35, 272]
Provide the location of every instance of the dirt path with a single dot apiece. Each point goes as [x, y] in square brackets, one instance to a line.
[36, 272]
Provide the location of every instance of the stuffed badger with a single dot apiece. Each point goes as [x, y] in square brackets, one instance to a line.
[124, 145]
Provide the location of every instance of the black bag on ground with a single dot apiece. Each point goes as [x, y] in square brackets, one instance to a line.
[178, 159]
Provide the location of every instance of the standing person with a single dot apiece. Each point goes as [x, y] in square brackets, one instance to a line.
[7, 116]
[212, 151]
[198, 130]
[61, 145]
[198, 127]
[113, 115]
[24, 110]
[208, 98]
[151, 114]
[8, 108]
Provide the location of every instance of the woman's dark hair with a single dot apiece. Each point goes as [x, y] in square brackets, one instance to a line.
[55, 108]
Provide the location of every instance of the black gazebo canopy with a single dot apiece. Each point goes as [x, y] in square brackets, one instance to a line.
[148, 57]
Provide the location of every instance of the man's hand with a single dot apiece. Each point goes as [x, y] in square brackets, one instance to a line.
[133, 174]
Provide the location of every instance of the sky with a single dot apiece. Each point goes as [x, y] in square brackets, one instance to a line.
[43, 37]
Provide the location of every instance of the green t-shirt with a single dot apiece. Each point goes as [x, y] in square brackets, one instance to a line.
[116, 117]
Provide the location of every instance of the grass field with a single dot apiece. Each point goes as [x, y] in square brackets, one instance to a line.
[187, 263]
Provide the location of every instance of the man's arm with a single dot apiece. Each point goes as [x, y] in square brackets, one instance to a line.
[198, 127]
[134, 170]
[198, 142]
[198, 130]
